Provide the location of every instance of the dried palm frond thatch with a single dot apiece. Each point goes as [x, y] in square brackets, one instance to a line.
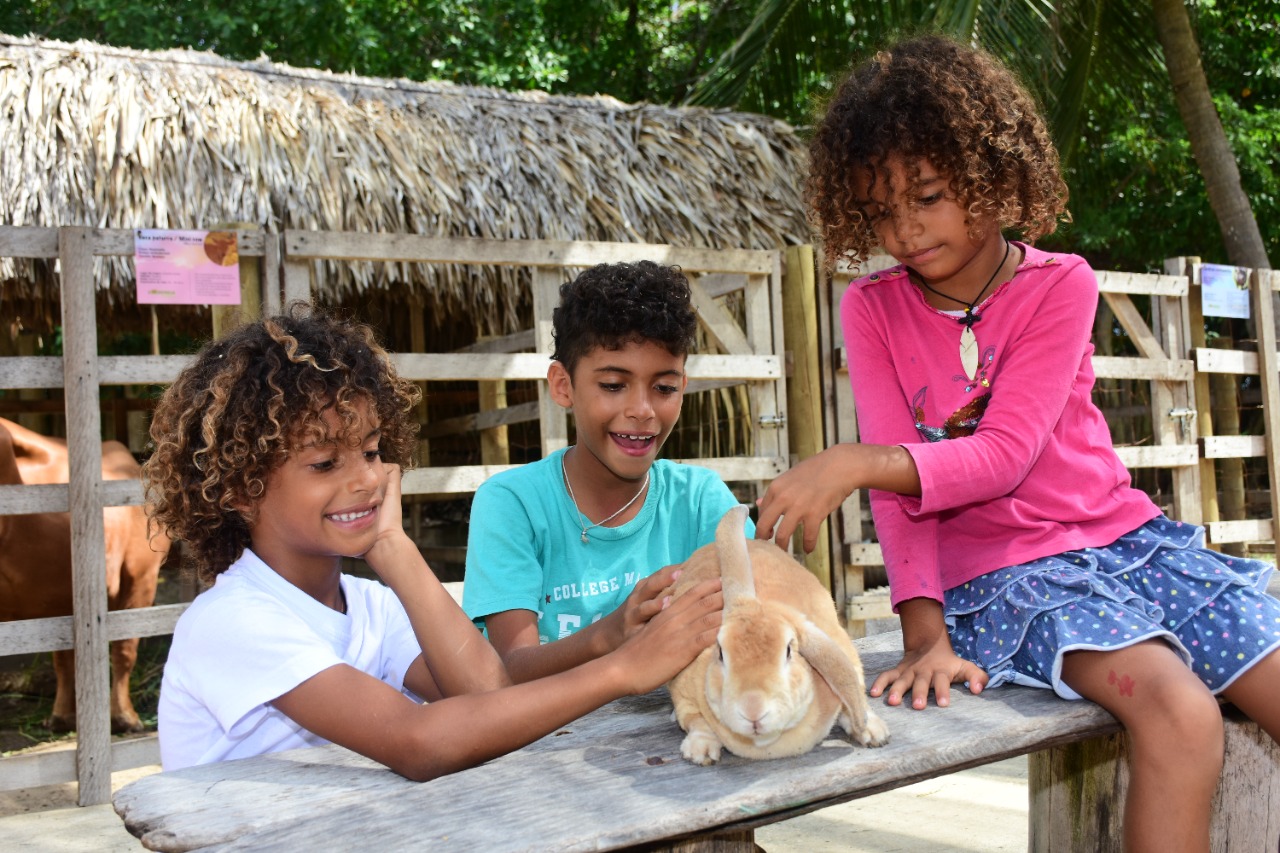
[109, 137]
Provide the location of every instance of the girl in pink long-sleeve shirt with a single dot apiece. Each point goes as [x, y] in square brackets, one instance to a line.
[1016, 548]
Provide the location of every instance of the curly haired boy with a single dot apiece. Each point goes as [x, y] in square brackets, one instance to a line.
[564, 553]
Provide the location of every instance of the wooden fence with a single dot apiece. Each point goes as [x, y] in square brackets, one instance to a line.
[749, 351]
[1264, 285]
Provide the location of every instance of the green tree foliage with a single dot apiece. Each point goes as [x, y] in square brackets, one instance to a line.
[483, 42]
[1137, 194]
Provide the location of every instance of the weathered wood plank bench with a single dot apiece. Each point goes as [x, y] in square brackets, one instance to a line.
[615, 779]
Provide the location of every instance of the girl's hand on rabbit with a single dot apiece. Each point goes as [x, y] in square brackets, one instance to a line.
[932, 665]
[669, 642]
[811, 491]
[803, 497]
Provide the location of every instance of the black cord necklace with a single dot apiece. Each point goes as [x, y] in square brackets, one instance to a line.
[969, 343]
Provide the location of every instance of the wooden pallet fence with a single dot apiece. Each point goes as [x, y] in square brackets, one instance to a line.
[80, 372]
[749, 353]
[1264, 364]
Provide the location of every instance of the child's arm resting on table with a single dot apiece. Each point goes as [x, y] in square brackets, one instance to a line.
[514, 633]
[928, 661]
[455, 657]
[348, 707]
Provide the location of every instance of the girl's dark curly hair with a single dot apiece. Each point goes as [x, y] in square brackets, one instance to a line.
[955, 106]
[611, 305]
[234, 414]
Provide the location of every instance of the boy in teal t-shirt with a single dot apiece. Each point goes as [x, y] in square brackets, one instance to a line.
[565, 556]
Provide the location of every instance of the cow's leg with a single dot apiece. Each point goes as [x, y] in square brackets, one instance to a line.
[124, 719]
[63, 718]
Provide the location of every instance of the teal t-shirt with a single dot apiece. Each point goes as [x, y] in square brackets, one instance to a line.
[525, 548]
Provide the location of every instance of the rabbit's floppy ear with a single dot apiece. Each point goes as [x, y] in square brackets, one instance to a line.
[842, 675]
[731, 548]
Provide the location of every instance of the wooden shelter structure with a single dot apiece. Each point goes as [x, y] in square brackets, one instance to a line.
[114, 138]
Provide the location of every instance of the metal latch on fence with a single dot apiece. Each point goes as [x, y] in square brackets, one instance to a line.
[1184, 417]
[772, 421]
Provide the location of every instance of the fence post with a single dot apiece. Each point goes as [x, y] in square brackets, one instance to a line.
[1261, 289]
[226, 317]
[804, 390]
[1204, 400]
[88, 535]
[553, 422]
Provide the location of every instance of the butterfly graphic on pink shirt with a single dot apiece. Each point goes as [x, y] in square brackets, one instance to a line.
[961, 422]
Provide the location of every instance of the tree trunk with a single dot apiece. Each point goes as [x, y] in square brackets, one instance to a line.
[1209, 143]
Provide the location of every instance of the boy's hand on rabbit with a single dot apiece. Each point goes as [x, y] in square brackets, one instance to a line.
[669, 642]
[643, 603]
[803, 496]
[933, 666]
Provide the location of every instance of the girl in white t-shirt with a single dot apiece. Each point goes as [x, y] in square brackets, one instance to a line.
[277, 454]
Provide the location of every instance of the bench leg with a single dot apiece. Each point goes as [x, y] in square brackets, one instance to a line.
[1077, 796]
[737, 841]
[1077, 793]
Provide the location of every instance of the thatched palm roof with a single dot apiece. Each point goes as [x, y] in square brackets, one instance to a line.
[103, 136]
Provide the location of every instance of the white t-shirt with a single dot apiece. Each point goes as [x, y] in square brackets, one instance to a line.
[254, 636]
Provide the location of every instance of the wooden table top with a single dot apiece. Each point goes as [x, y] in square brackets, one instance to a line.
[612, 779]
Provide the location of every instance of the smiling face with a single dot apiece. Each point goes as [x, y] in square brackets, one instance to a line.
[922, 224]
[625, 403]
[322, 502]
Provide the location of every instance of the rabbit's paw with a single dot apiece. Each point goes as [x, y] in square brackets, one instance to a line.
[701, 747]
[874, 731]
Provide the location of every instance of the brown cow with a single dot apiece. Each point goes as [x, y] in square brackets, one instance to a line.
[35, 562]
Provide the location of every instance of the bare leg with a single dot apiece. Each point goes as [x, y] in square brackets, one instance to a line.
[1257, 694]
[1175, 735]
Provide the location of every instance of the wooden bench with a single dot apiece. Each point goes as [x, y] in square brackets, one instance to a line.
[615, 779]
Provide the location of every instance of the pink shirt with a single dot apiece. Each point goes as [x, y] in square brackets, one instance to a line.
[1018, 470]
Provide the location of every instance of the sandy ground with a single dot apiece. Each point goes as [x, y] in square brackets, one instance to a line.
[984, 809]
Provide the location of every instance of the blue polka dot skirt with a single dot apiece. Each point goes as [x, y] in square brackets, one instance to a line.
[1158, 581]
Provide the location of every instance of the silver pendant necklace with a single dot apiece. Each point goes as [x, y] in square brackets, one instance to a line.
[968, 342]
[581, 516]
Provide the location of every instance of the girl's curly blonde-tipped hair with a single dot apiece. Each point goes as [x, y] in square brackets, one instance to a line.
[234, 414]
[955, 106]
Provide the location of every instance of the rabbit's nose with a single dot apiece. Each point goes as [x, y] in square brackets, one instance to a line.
[754, 710]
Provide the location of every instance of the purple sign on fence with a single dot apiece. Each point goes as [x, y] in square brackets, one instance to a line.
[187, 267]
[1224, 291]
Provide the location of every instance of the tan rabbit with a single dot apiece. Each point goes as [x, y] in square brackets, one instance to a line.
[782, 669]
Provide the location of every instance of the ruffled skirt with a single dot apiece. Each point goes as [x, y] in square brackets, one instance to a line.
[1158, 581]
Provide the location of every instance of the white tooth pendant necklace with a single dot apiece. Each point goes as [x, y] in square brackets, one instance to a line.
[968, 342]
[583, 521]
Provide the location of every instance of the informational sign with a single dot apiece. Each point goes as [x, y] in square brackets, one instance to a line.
[1224, 291]
[187, 267]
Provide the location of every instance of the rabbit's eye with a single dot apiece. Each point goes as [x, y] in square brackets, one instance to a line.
[790, 646]
[720, 653]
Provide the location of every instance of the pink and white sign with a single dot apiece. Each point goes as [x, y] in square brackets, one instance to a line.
[187, 267]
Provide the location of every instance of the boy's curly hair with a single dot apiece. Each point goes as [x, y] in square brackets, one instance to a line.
[233, 415]
[611, 305]
[959, 108]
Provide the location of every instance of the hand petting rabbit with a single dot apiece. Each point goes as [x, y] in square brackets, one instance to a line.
[782, 669]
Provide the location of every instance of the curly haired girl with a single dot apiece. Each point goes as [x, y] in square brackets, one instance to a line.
[1016, 548]
[278, 454]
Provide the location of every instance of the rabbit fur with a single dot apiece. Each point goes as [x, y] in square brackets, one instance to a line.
[782, 669]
